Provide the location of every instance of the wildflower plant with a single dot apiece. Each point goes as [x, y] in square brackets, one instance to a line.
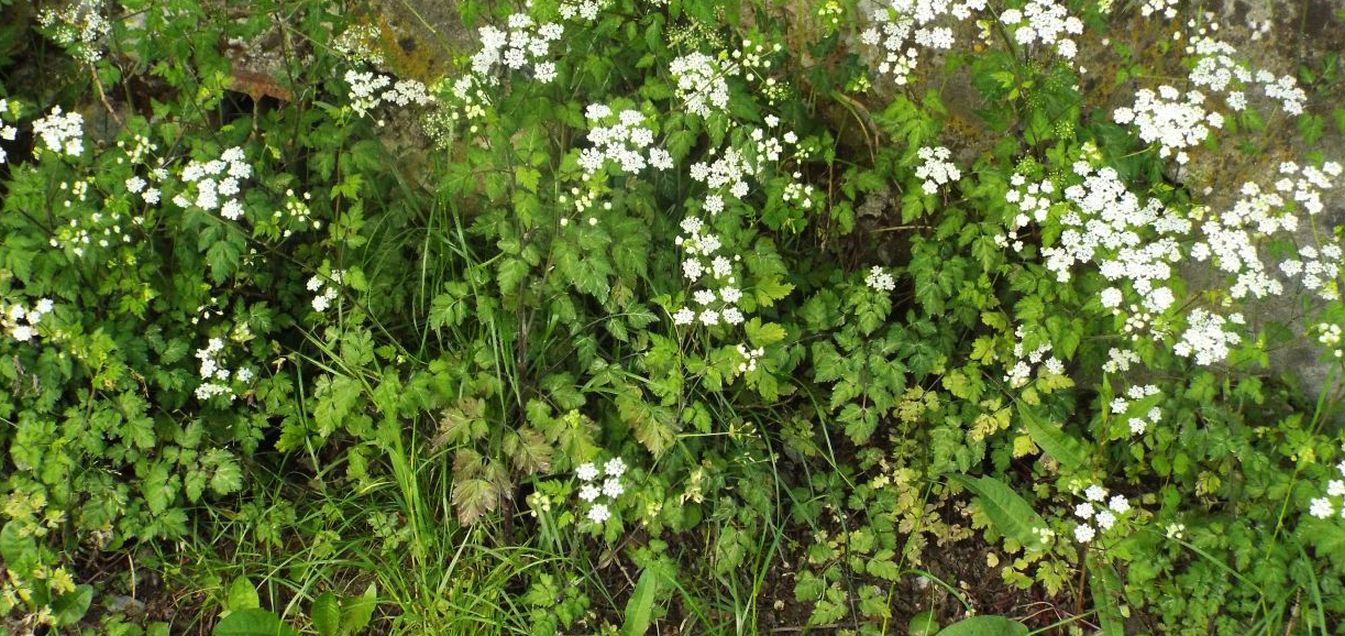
[845, 290]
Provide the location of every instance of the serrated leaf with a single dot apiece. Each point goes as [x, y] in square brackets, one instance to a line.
[473, 498]
[228, 477]
[1010, 513]
[763, 334]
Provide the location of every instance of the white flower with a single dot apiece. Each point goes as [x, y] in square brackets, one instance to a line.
[599, 513]
[1084, 510]
[1321, 508]
[1084, 533]
[586, 472]
[1119, 505]
[615, 467]
[62, 134]
[879, 280]
[1105, 519]
[612, 487]
[1335, 488]
[1095, 493]
[589, 493]
[701, 83]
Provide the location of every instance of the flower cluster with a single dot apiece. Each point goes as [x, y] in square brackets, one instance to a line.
[524, 44]
[624, 141]
[369, 90]
[701, 83]
[583, 9]
[61, 133]
[1207, 337]
[879, 280]
[600, 494]
[1318, 270]
[1229, 239]
[1138, 422]
[903, 26]
[7, 132]
[1019, 374]
[1218, 69]
[704, 267]
[21, 322]
[1329, 334]
[1166, 7]
[936, 168]
[1107, 226]
[1033, 200]
[218, 184]
[1100, 515]
[1167, 119]
[79, 27]
[325, 289]
[1330, 505]
[360, 44]
[79, 231]
[749, 358]
[1044, 22]
[1119, 360]
[216, 378]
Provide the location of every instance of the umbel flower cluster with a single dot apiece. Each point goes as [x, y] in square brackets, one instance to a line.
[1045, 23]
[21, 322]
[1329, 505]
[217, 184]
[903, 27]
[601, 487]
[216, 377]
[1100, 517]
[701, 83]
[370, 90]
[1173, 122]
[61, 133]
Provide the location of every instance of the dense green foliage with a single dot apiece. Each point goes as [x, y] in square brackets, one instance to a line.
[419, 364]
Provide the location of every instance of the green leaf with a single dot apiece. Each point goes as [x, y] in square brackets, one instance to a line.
[228, 477]
[1106, 590]
[326, 614]
[473, 498]
[70, 607]
[242, 595]
[1059, 445]
[253, 622]
[358, 611]
[19, 552]
[985, 626]
[1011, 514]
[640, 607]
[761, 335]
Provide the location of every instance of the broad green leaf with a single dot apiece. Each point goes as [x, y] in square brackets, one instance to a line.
[70, 607]
[326, 614]
[1011, 514]
[1052, 439]
[985, 626]
[253, 622]
[242, 595]
[640, 607]
[356, 612]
